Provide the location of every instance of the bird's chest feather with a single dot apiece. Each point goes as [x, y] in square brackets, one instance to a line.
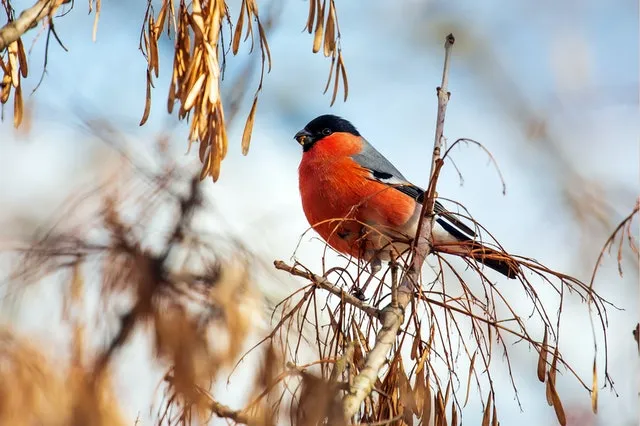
[333, 188]
[330, 189]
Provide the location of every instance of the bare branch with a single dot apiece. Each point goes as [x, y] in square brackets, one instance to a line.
[223, 411]
[27, 20]
[331, 288]
[393, 317]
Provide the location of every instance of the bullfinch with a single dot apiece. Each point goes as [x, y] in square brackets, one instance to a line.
[362, 206]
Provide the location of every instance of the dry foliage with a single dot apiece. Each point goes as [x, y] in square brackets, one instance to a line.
[326, 35]
[198, 31]
[34, 389]
[623, 234]
[15, 68]
[453, 324]
[195, 299]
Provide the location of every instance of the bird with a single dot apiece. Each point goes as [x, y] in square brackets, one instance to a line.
[362, 206]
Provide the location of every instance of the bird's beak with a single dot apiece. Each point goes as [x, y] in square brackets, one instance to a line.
[303, 137]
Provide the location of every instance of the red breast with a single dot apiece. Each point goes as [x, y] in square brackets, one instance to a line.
[334, 187]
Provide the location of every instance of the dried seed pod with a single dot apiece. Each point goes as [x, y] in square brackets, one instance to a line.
[555, 401]
[237, 34]
[317, 38]
[542, 359]
[248, 128]
[17, 106]
[486, 417]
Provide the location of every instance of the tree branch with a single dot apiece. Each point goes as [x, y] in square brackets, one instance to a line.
[392, 317]
[326, 285]
[223, 411]
[27, 20]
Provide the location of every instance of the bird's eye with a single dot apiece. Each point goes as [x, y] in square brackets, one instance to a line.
[326, 132]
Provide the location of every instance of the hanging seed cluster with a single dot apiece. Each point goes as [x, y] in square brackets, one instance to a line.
[197, 66]
[199, 56]
[13, 64]
[196, 74]
[326, 35]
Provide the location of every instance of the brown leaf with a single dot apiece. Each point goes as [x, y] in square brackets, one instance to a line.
[195, 19]
[222, 145]
[317, 38]
[552, 375]
[454, 415]
[248, 127]
[548, 394]
[343, 71]
[147, 102]
[193, 74]
[206, 163]
[406, 396]
[22, 59]
[17, 106]
[264, 46]
[326, 87]
[426, 408]
[160, 20]
[27, 119]
[437, 415]
[447, 393]
[12, 50]
[486, 417]
[96, 18]
[542, 359]
[441, 409]
[145, 42]
[237, 34]
[215, 167]
[249, 27]
[335, 84]
[425, 353]
[152, 45]
[415, 346]
[312, 14]
[329, 33]
[557, 404]
[471, 369]
[203, 150]
[494, 419]
[194, 92]
[204, 103]
[171, 99]
[419, 393]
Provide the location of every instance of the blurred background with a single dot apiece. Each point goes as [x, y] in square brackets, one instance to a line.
[550, 88]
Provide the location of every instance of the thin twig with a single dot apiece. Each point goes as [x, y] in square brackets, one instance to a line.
[327, 285]
[394, 282]
[223, 411]
[393, 317]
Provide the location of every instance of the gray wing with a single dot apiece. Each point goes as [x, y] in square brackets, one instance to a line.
[383, 171]
[371, 159]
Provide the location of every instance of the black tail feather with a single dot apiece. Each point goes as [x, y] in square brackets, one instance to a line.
[493, 259]
[506, 267]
